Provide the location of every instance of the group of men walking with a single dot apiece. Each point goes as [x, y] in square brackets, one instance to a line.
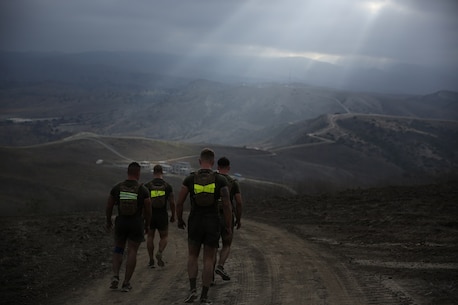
[216, 208]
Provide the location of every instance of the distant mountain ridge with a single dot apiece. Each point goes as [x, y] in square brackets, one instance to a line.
[338, 134]
[169, 69]
[205, 111]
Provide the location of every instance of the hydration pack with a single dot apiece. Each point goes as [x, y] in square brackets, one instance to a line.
[157, 191]
[204, 188]
[128, 204]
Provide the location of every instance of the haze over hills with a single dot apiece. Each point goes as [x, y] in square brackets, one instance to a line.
[152, 69]
[193, 110]
[283, 137]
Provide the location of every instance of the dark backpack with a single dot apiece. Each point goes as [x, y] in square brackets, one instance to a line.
[157, 191]
[204, 188]
[128, 204]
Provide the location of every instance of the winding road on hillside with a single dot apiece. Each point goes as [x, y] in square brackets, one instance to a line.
[331, 118]
[268, 265]
[333, 126]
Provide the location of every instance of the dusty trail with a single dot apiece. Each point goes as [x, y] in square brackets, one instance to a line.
[267, 265]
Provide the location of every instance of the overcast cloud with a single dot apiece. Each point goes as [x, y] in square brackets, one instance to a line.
[338, 31]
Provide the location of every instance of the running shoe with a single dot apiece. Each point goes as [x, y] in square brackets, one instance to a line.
[192, 296]
[151, 263]
[114, 282]
[126, 287]
[205, 302]
[220, 271]
[160, 262]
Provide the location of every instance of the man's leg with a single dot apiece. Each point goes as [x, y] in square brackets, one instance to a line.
[131, 262]
[118, 253]
[193, 264]
[208, 268]
[163, 234]
[207, 271]
[223, 255]
[150, 247]
[222, 230]
[215, 258]
[193, 268]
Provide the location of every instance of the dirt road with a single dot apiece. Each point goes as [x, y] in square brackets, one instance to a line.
[384, 246]
[267, 265]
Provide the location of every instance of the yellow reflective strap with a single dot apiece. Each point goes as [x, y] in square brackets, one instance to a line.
[157, 193]
[209, 188]
[127, 196]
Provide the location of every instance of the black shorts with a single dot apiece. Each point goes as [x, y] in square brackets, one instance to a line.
[159, 221]
[129, 228]
[204, 229]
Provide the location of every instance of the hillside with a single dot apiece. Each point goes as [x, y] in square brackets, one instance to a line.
[196, 112]
[415, 146]
[54, 126]
[48, 178]
[77, 173]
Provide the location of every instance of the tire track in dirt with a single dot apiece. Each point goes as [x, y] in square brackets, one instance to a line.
[290, 271]
[267, 265]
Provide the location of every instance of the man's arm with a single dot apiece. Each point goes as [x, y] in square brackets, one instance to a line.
[238, 212]
[172, 207]
[179, 206]
[109, 212]
[147, 213]
[227, 208]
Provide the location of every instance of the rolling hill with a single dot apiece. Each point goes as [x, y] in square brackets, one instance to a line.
[58, 117]
[416, 146]
[198, 112]
[76, 174]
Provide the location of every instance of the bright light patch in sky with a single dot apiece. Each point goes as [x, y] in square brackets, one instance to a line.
[411, 31]
[374, 7]
[329, 58]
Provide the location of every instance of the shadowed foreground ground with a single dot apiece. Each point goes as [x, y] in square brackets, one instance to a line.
[394, 245]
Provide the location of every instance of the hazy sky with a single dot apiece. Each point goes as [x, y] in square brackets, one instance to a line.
[363, 31]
